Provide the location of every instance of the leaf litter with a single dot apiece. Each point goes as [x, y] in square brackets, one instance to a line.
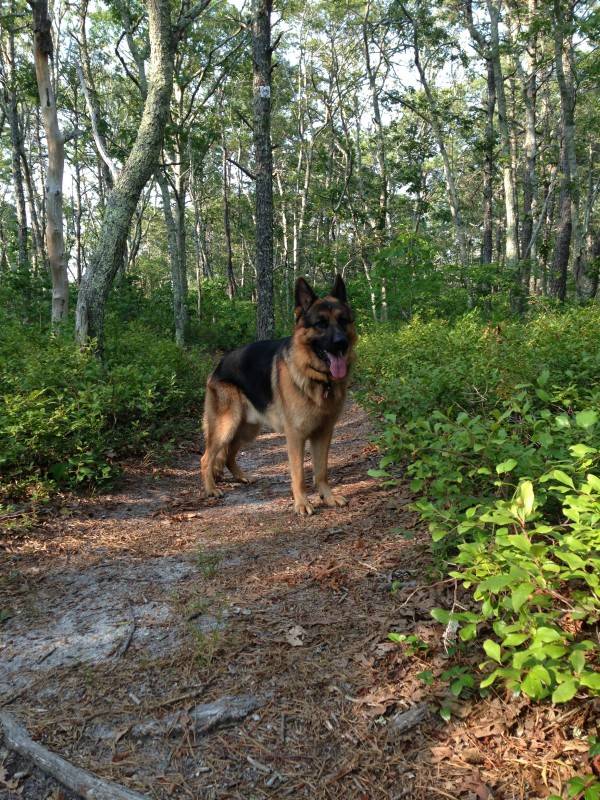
[314, 700]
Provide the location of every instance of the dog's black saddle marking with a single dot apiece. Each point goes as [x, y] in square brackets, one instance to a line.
[249, 368]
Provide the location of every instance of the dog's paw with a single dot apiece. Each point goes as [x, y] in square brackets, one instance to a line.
[334, 500]
[243, 477]
[214, 492]
[304, 506]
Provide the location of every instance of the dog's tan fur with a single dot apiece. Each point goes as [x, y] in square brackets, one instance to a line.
[306, 405]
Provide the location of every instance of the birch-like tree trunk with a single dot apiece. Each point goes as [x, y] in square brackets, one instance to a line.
[528, 77]
[12, 115]
[263, 166]
[137, 170]
[231, 284]
[510, 193]
[55, 244]
[173, 242]
[487, 241]
[436, 126]
[382, 218]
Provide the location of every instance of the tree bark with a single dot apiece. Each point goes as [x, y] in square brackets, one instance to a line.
[231, 285]
[562, 245]
[563, 63]
[436, 126]
[261, 62]
[488, 169]
[510, 194]
[380, 137]
[178, 284]
[43, 50]
[85, 73]
[12, 114]
[139, 167]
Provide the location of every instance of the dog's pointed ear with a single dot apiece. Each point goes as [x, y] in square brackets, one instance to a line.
[339, 289]
[305, 296]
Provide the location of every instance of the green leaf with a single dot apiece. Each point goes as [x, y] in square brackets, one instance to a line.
[440, 615]
[377, 473]
[565, 692]
[581, 450]
[514, 639]
[537, 679]
[591, 680]
[527, 497]
[571, 559]
[543, 377]
[506, 466]
[520, 594]
[561, 476]
[398, 638]
[492, 649]
[586, 418]
[493, 584]
[426, 676]
[520, 541]
[468, 633]
[577, 659]
[544, 634]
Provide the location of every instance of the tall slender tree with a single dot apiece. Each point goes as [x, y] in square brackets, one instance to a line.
[263, 166]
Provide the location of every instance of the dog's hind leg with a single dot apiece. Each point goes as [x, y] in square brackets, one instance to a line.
[246, 433]
[222, 417]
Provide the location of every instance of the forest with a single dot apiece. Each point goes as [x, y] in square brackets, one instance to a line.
[168, 170]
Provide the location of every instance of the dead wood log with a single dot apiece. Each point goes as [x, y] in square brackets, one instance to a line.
[78, 780]
[405, 720]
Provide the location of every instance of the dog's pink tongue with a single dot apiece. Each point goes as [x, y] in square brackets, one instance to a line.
[337, 366]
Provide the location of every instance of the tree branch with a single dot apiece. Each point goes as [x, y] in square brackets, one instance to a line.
[246, 171]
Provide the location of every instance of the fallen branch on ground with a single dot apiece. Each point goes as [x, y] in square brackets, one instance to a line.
[80, 781]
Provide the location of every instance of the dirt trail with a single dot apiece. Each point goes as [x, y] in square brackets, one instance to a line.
[131, 611]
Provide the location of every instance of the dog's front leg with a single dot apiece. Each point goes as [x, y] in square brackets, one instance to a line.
[295, 444]
[319, 445]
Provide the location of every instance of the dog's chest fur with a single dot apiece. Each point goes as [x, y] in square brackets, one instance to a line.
[299, 403]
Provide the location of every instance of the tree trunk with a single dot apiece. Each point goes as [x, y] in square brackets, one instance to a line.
[436, 126]
[562, 244]
[488, 169]
[139, 167]
[85, 73]
[261, 61]
[381, 151]
[177, 282]
[231, 285]
[529, 90]
[43, 49]
[563, 63]
[510, 194]
[12, 113]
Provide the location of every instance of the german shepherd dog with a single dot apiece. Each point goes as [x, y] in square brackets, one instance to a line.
[295, 385]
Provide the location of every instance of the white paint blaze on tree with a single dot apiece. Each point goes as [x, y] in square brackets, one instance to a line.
[43, 50]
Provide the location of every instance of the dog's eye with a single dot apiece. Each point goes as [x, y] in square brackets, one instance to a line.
[322, 324]
[343, 321]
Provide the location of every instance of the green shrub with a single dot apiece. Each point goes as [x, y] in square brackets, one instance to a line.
[500, 435]
[66, 419]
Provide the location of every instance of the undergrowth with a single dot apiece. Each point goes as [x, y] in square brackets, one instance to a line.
[498, 430]
[66, 419]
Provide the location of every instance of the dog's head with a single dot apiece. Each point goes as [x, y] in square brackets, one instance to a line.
[325, 325]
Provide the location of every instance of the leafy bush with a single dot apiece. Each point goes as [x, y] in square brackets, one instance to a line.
[500, 433]
[65, 418]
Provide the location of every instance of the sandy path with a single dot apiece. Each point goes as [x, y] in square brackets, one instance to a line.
[131, 610]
